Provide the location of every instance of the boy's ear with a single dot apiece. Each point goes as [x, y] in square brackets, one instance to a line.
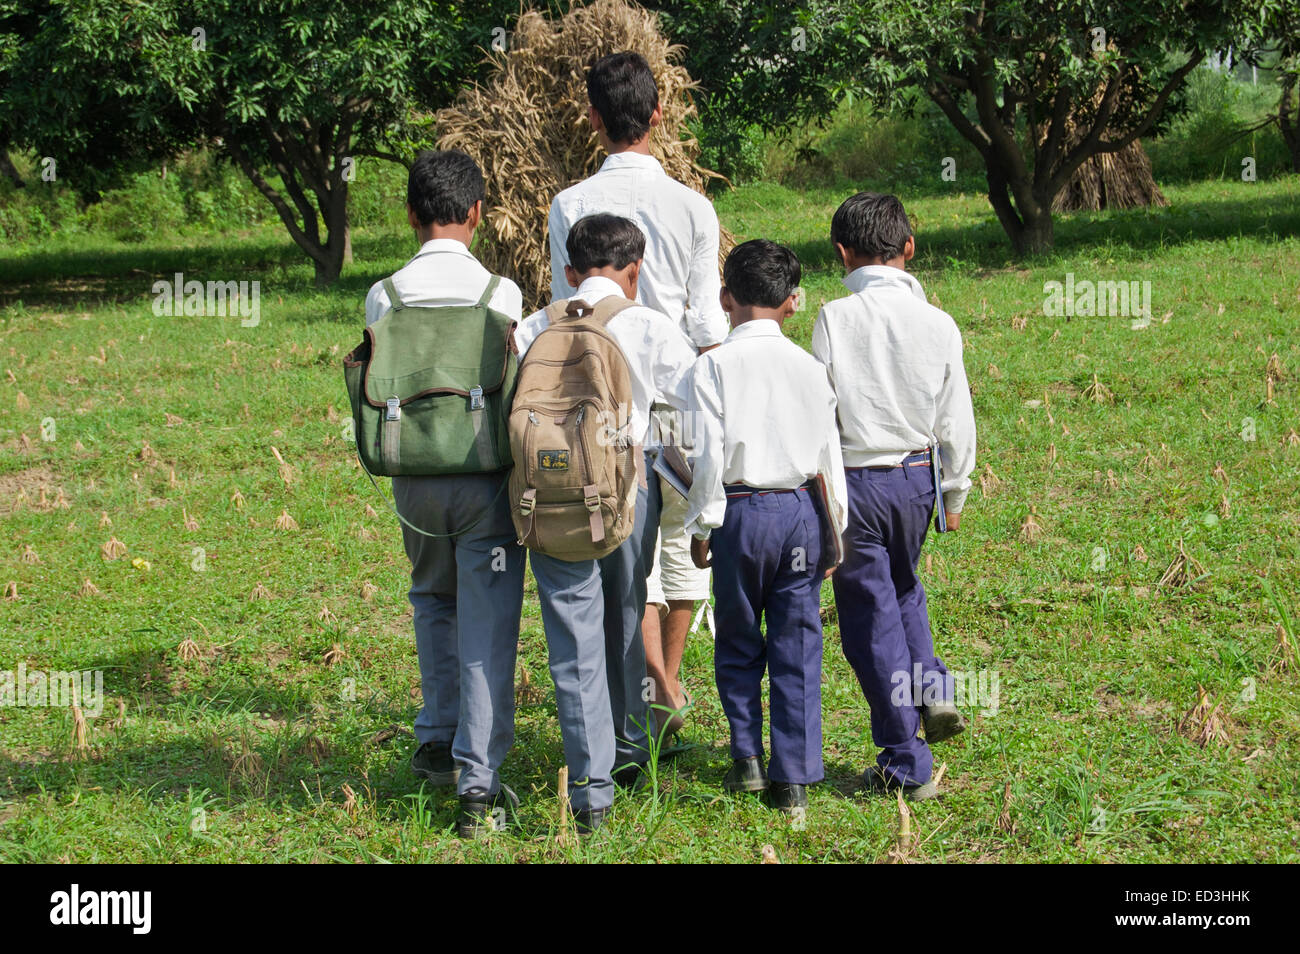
[633, 274]
[909, 249]
[411, 217]
[593, 116]
[787, 307]
[571, 276]
[657, 116]
[846, 256]
[475, 215]
[724, 298]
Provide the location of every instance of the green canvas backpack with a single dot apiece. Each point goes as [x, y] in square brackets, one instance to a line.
[431, 387]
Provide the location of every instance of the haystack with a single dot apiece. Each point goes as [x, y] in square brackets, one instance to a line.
[527, 127]
[1111, 180]
[1107, 180]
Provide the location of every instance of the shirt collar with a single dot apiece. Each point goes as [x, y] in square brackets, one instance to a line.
[630, 159]
[757, 328]
[879, 276]
[442, 245]
[595, 288]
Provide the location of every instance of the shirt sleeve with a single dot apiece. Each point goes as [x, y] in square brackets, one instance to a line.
[832, 467]
[706, 323]
[706, 505]
[526, 331]
[955, 430]
[672, 361]
[376, 303]
[508, 300]
[558, 232]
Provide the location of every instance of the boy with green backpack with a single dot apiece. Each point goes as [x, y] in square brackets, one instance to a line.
[430, 387]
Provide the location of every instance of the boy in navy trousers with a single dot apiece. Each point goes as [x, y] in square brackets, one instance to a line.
[895, 362]
[764, 413]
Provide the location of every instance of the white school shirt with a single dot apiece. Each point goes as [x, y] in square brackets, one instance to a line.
[764, 415]
[679, 276]
[443, 273]
[895, 362]
[659, 356]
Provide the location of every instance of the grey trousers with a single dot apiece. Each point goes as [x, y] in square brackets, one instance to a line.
[591, 610]
[467, 592]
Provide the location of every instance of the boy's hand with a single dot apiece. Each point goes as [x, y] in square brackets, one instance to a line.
[828, 573]
[700, 553]
[954, 520]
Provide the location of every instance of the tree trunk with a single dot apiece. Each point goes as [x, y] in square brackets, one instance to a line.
[1288, 117]
[1028, 224]
[8, 171]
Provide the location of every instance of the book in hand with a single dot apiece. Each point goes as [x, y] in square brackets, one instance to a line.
[936, 473]
[671, 464]
[832, 542]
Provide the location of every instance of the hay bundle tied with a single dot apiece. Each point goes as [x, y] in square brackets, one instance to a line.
[527, 127]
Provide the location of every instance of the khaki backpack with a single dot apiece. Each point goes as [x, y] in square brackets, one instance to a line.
[573, 487]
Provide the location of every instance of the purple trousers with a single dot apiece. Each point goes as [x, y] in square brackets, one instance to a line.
[765, 558]
[884, 627]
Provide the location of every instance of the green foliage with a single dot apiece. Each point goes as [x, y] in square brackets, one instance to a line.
[761, 65]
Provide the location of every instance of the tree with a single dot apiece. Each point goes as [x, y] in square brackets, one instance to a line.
[1013, 76]
[293, 91]
[764, 63]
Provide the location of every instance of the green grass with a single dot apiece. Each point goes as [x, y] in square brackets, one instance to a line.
[242, 754]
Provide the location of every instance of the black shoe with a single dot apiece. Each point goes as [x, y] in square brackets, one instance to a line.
[433, 760]
[746, 775]
[481, 813]
[876, 781]
[631, 777]
[942, 722]
[587, 820]
[788, 797]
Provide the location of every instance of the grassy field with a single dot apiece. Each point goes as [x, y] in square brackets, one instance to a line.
[1135, 509]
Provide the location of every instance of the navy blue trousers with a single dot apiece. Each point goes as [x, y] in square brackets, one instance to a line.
[765, 558]
[884, 626]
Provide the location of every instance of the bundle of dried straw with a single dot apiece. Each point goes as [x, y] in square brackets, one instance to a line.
[527, 127]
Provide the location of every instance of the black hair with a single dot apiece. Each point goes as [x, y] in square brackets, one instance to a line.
[872, 224]
[621, 86]
[761, 273]
[602, 239]
[443, 186]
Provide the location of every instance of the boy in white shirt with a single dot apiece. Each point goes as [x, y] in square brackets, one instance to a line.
[591, 609]
[895, 362]
[467, 583]
[765, 415]
[678, 278]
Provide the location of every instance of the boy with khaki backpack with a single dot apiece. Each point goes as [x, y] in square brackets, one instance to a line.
[591, 367]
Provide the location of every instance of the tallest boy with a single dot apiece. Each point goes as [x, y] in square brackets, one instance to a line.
[679, 277]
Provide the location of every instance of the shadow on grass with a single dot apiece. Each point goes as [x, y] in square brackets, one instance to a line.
[70, 279]
[1269, 218]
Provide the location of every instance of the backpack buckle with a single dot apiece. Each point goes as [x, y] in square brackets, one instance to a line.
[591, 497]
[476, 398]
[394, 412]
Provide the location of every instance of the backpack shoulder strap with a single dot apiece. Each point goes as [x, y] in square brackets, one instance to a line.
[608, 308]
[488, 292]
[394, 301]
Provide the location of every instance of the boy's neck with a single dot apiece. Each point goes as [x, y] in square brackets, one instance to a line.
[641, 146]
[862, 261]
[458, 232]
[621, 277]
[744, 314]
